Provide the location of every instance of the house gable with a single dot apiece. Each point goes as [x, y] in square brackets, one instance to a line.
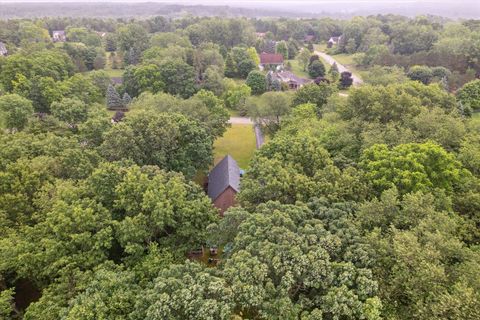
[224, 183]
[271, 58]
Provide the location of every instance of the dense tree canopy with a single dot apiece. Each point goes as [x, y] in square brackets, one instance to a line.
[361, 204]
[170, 141]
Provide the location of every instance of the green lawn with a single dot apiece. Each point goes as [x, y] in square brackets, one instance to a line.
[108, 67]
[347, 61]
[2, 125]
[239, 142]
[114, 72]
[297, 69]
[233, 113]
[476, 117]
[320, 47]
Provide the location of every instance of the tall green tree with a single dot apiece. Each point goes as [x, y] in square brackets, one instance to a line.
[469, 95]
[178, 77]
[170, 141]
[16, 111]
[269, 110]
[316, 69]
[257, 82]
[412, 167]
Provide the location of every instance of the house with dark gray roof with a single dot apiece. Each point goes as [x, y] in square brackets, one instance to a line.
[3, 49]
[290, 79]
[224, 183]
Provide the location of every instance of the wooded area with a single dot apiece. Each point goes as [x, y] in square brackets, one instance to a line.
[364, 202]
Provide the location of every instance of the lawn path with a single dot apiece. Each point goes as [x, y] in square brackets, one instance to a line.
[240, 120]
[259, 136]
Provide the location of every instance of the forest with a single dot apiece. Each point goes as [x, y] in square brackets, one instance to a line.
[363, 202]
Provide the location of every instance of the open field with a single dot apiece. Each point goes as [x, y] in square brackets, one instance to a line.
[347, 61]
[239, 142]
[476, 117]
[297, 69]
[114, 72]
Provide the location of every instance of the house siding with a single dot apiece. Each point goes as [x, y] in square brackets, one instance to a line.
[225, 200]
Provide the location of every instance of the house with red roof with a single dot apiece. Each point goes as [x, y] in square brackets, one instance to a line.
[271, 61]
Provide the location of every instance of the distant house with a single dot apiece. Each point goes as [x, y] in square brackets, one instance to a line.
[291, 80]
[333, 41]
[59, 36]
[224, 183]
[3, 49]
[271, 61]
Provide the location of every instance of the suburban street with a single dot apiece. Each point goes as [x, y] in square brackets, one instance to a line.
[341, 68]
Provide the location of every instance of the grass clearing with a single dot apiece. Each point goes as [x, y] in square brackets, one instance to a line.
[349, 63]
[342, 58]
[115, 72]
[234, 113]
[297, 69]
[476, 117]
[239, 142]
[320, 47]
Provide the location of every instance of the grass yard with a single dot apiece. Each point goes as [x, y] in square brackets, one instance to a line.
[297, 69]
[347, 61]
[233, 113]
[320, 47]
[342, 58]
[239, 142]
[476, 117]
[108, 65]
[115, 72]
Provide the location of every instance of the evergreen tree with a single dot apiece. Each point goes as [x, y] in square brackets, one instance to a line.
[293, 48]
[269, 79]
[110, 43]
[132, 56]
[333, 72]
[282, 48]
[270, 46]
[113, 99]
[126, 99]
[276, 85]
[346, 80]
[230, 66]
[316, 69]
[313, 58]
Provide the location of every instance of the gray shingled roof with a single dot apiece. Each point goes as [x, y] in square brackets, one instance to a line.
[226, 173]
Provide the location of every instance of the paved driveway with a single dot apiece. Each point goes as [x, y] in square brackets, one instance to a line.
[240, 120]
[341, 68]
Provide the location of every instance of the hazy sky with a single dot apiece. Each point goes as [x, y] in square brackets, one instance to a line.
[256, 2]
[454, 8]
